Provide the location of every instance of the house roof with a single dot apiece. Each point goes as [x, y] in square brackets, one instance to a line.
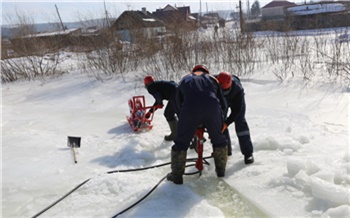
[55, 33]
[171, 14]
[278, 3]
[136, 20]
[317, 8]
[169, 8]
[212, 14]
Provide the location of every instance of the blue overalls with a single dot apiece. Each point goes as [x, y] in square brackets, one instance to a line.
[236, 102]
[164, 90]
[201, 103]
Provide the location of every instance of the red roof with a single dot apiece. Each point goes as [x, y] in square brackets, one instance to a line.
[274, 4]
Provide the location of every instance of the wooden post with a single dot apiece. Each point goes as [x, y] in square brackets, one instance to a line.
[74, 142]
[74, 154]
[60, 18]
[241, 21]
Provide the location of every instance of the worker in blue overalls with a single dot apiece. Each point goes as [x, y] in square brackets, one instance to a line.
[163, 90]
[201, 103]
[234, 94]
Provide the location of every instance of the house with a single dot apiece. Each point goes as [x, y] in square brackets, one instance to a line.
[286, 16]
[133, 25]
[6, 49]
[44, 42]
[210, 18]
[316, 8]
[323, 14]
[175, 17]
[275, 9]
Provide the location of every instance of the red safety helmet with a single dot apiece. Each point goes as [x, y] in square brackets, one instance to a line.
[148, 80]
[200, 67]
[225, 80]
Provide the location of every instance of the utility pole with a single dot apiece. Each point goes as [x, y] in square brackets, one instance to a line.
[197, 32]
[200, 12]
[107, 20]
[241, 21]
[60, 18]
[248, 9]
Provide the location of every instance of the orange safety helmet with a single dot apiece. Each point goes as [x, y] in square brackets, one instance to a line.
[200, 67]
[148, 80]
[225, 80]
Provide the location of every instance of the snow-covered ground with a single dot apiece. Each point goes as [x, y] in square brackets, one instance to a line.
[317, 8]
[299, 131]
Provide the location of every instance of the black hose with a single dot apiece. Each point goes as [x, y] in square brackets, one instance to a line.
[119, 171]
[140, 199]
[196, 158]
[137, 202]
[137, 169]
[159, 165]
[63, 197]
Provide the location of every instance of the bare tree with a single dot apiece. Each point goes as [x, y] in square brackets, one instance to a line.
[32, 57]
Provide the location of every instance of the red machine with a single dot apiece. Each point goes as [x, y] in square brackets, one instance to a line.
[199, 141]
[138, 110]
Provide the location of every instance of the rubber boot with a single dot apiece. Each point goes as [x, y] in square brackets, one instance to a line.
[178, 162]
[220, 159]
[248, 159]
[229, 145]
[173, 126]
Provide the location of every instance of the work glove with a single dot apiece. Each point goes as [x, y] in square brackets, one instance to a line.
[148, 115]
[224, 127]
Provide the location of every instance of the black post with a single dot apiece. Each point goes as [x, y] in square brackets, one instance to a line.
[60, 18]
[241, 21]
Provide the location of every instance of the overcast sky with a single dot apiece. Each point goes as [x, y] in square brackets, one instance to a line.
[71, 11]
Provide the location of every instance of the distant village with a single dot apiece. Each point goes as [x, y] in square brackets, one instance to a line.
[287, 16]
[131, 25]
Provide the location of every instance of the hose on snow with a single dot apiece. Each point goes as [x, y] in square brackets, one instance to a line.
[63, 197]
[133, 205]
[120, 171]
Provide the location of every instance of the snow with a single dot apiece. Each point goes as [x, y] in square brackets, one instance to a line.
[316, 8]
[65, 32]
[149, 19]
[299, 131]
